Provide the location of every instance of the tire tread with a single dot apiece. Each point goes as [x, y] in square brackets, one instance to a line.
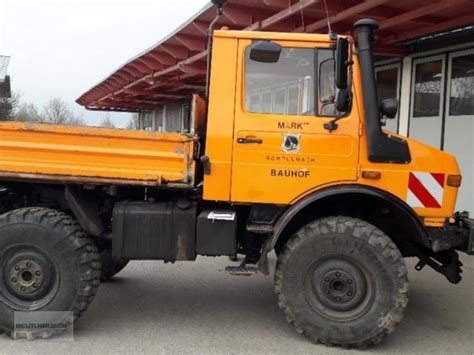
[363, 231]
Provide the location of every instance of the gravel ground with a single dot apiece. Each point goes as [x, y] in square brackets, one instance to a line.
[153, 307]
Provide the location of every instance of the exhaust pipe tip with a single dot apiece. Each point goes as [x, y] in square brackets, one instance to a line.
[366, 22]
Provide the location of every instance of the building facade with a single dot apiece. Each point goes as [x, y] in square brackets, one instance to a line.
[435, 90]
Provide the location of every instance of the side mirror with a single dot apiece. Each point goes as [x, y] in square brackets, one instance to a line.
[343, 100]
[265, 52]
[342, 62]
[389, 108]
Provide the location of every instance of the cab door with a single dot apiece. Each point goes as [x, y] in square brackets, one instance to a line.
[281, 149]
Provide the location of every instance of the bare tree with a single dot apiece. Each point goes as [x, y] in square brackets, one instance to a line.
[132, 123]
[57, 111]
[106, 121]
[27, 112]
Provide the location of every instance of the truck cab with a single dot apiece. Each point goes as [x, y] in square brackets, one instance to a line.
[277, 148]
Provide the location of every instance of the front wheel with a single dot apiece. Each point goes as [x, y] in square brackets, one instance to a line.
[342, 281]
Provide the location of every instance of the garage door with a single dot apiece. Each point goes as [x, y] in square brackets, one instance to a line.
[459, 127]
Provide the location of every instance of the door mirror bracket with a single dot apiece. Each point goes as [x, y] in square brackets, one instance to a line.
[343, 103]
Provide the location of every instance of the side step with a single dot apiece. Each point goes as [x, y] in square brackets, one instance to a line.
[241, 270]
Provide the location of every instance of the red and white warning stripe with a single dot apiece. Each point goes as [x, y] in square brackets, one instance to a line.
[425, 190]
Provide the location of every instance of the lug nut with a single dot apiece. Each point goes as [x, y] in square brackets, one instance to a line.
[28, 264]
[349, 281]
[326, 279]
[327, 292]
[338, 298]
[14, 279]
[338, 274]
[17, 268]
[23, 288]
[349, 294]
[38, 273]
[35, 285]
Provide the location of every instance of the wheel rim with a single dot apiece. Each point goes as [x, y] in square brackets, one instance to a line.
[338, 288]
[26, 276]
[30, 277]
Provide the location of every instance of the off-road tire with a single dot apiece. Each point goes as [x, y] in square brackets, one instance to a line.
[362, 262]
[110, 266]
[65, 261]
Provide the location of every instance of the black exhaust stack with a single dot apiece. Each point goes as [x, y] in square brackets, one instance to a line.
[382, 148]
[218, 4]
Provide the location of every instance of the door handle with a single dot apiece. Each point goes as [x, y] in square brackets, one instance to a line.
[249, 140]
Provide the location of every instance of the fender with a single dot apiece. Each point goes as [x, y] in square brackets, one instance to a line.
[399, 205]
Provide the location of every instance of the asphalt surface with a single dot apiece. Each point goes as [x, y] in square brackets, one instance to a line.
[196, 308]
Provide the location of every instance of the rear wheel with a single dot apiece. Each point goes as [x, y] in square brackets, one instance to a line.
[47, 264]
[342, 281]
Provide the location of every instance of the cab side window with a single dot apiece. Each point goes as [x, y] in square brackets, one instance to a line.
[288, 87]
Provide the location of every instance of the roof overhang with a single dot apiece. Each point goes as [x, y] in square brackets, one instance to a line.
[175, 67]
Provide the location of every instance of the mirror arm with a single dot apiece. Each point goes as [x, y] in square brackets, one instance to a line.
[332, 125]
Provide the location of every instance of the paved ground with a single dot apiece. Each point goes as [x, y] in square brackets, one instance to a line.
[196, 308]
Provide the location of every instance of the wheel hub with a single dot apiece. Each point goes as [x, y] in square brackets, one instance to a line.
[29, 279]
[26, 276]
[338, 288]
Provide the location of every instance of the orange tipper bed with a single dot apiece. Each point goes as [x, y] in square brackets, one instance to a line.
[95, 155]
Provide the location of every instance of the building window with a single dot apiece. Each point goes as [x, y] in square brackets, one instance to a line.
[159, 120]
[427, 100]
[428, 89]
[169, 118]
[388, 86]
[146, 118]
[461, 97]
[173, 118]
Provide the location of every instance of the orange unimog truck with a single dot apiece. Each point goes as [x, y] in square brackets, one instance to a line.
[313, 178]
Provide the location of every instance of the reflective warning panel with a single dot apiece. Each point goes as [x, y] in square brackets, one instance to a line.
[425, 190]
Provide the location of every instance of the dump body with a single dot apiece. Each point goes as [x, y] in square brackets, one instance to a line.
[95, 155]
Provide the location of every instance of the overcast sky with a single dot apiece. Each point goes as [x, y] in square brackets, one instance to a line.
[64, 47]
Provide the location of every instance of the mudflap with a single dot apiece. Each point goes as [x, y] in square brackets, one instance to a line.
[441, 254]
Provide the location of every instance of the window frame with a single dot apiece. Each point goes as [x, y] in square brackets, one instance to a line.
[434, 58]
[442, 107]
[452, 55]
